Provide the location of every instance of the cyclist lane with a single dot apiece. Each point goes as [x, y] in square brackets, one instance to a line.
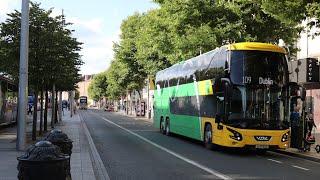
[134, 149]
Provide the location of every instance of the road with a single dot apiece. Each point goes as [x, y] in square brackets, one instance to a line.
[134, 149]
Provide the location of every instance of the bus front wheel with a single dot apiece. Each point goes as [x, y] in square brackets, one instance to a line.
[208, 137]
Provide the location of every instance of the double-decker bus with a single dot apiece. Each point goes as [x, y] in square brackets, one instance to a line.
[83, 102]
[237, 95]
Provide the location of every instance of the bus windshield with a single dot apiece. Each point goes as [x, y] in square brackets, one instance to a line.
[258, 108]
[258, 97]
[258, 68]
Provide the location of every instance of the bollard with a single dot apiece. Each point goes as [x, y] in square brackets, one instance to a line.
[43, 161]
[60, 139]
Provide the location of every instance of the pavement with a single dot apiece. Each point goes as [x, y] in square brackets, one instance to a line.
[83, 160]
[311, 155]
[134, 149]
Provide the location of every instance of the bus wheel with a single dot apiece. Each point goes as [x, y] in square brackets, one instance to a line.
[208, 137]
[167, 131]
[162, 126]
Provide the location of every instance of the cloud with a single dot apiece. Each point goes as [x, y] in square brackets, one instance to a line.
[97, 51]
[94, 25]
[6, 6]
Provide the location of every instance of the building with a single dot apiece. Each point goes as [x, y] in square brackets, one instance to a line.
[83, 87]
[309, 48]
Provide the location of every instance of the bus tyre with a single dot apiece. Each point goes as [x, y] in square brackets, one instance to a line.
[162, 126]
[167, 130]
[208, 137]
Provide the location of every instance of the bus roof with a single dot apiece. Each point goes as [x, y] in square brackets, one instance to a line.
[256, 46]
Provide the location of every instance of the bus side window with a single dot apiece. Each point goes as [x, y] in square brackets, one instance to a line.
[173, 82]
[189, 79]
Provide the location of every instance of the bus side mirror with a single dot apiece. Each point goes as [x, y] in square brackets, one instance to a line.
[218, 119]
[227, 87]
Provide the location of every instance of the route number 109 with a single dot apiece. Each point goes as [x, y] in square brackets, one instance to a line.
[246, 80]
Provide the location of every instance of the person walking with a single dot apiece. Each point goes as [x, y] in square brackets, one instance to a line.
[295, 128]
[311, 124]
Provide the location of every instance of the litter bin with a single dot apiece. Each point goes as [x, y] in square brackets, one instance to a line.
[43, 161]
[60, 139]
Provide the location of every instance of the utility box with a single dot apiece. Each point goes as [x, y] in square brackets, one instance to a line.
[304, 71]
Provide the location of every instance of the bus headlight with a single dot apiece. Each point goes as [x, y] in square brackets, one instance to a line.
[236, 135]
[285, 137]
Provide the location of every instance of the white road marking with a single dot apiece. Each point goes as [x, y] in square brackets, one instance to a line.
[194, 163]
[143, 130]
[275, 161]
[300, 167]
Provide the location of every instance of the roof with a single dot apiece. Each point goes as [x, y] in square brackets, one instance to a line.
[256, 46]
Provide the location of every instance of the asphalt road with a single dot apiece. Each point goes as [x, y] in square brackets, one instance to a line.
[134, 149]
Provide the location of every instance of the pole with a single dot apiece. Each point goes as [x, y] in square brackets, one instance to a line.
[23, 76]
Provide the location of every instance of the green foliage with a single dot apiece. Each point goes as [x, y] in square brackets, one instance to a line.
[293, 12]
[181, 29]
[53, 52]
[98, 86]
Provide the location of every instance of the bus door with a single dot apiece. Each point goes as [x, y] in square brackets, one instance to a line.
[297, 116]
[223, 93]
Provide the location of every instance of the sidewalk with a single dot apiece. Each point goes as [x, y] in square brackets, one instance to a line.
[8, 159]
[81, 160]
[312, 155]
[81, 163]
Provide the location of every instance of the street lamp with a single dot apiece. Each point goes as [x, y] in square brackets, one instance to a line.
[23, 76]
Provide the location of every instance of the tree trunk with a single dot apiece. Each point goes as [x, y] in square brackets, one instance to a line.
[35, 116]
[127, 104]
[46, 112]
[60, 105]
[53, 106]
[41, 112]
[56, 107]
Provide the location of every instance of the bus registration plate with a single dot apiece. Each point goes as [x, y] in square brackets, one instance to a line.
[262, 146]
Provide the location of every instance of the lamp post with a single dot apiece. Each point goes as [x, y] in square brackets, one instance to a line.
[23, 76]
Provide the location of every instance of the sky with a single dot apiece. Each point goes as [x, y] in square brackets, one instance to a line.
[96, 24]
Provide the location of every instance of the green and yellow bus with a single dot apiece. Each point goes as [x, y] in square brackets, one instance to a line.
[237, 95]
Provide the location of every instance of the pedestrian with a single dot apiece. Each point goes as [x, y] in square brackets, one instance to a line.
[29, 108]
[310, 123]
[295, 128]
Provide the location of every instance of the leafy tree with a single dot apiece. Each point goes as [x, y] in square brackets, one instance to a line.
[293, 12]
[53, 52]
[181, 29]
[98, 86]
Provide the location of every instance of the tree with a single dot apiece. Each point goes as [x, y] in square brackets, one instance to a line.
[182, 29]
[293, 12]
[98, 87]
[53, 52]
